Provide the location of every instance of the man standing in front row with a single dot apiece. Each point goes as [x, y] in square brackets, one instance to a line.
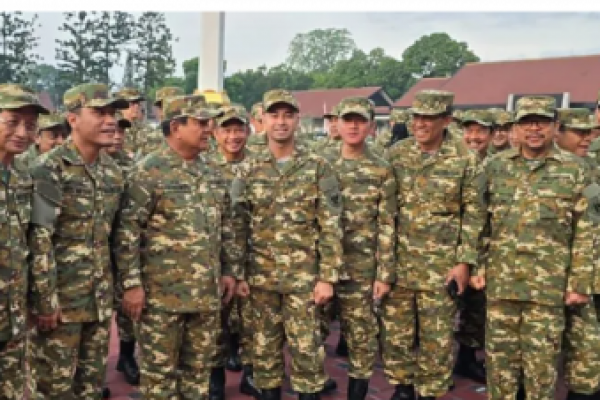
[77, 193]
[292, 198]
[176, 256]
[439, 223]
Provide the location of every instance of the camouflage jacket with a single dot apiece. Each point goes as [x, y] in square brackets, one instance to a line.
[175, 235]
[368, 189]
[329, 148]
[28, 157]
[124, 161]
[136, 137]
[295, 235]
[541, 234]
[594, 151]
[74, 206]
[382, 141]
[152, 140]
[495, 150]
[439, 215]
[256, 142]
[15, 209]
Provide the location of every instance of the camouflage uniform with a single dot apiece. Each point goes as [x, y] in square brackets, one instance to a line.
[44, 122]
[383, 140]
[368, 188]
[175, 239]
[501, 118]
[439, 221]
[539, 247]
[295, 236]
[15, 209]
[140, 132]
[73, 209]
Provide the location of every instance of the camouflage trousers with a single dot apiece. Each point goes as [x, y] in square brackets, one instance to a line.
[471, 328]
[177, 350]
[236, 319]
[359, 326]
[292, 317]
[582, 349]
[429, 370]
[69, 362]
[522, 336]
[12, 368]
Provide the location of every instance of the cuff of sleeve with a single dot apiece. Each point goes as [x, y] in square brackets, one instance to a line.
[329, 275]
[579, 285]
[47, 304]
[384, 275]
[467, 256]
[234, 270]
[131, 281]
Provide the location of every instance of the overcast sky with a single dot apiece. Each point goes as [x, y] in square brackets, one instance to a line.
[253, 39]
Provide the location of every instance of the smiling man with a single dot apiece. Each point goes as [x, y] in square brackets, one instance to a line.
[477, 128]
[52, 131]
[77, 194]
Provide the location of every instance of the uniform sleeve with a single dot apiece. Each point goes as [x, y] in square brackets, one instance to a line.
[329, 208]
[234, 239]
[473, 217]
[47, 200]
[386, 233]
[484, 236]
[136, 207]
[240, 219]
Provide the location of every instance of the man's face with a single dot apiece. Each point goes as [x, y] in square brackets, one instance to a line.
[158, 112]
[134, 112]
[576, 141]
[429, 129]
[354, 129]
[257, 125]
[50, 138]
[96, 126]
[118, 140]
[17, 127]
[535, 132]
[280, 122]
[231, 136]
[501, 135]
[477, 137]
[193, 134]
[333, 127]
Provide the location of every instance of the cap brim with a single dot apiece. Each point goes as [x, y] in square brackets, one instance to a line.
[119, 104]
[419, 111]
[365, 114]
[581, 127]
[240, 119]
[541, 113]
[38, 107]
[205, 114]
[123, 123]
[50, 126]
[139, 98]
[463, 122]
[270, 105]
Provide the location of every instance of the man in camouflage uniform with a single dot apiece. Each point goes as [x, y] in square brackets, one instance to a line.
[439, 222]
[51, 132]
[19, 110]
[176, 256]
[161, 94]
[477, 128]
[256, 118]
[77, 193]
[137, 134]
[292, 198]
[368, 188]
[386, 138]
[503, 123]
[540, 205]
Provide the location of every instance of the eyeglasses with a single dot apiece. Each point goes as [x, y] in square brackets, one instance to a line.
[13, 124]
[542, 123]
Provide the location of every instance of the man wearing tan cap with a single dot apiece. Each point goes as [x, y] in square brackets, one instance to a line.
[52, 132]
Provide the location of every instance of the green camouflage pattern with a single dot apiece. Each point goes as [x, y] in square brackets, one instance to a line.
[356, 105]
[594, 121]
[27, 158]
[481, 117]
[164, 92]
[177, 206]
[574, 118]
[594, 151]
[502, 117]
[256, 111]
[535, 105]
[432, 102]
[92, 95]
[257, 142]
[13, 96]
[229, 113]
[129, 94]
[399, 116]
[279, 96]
[186, 106]
[140, 137]
[333, 112]
[50, 121]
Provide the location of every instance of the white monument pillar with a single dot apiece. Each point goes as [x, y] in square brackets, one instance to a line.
[210, 67]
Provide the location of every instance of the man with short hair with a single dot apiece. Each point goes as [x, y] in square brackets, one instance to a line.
[77, 194]
[19, 111]
[136, 135]
[256, 118]
[52, 131]
[477, 128]
[503, 123]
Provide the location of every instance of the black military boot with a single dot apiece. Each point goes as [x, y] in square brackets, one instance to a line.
[521, 393]
[270, 394]
[247, 382]
[234, 363]
[467, 365]
[309, 396]
[216, 389]
[329, 386]
[404, 392]
[342, 347]
[357, 388]
[127, 363]
[106, 393]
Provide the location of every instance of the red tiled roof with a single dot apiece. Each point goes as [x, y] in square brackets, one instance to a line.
[314, 103]
[422, 84]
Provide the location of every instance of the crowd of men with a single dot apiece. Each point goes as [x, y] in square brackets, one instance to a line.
[224, 236]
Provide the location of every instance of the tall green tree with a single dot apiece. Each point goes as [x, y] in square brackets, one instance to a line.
[437, 55]
[48, 78]
[17, 44]
[319, 50]
[113, 31]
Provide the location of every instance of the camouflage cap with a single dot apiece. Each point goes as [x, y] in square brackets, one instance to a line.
[186, 106]
[432, 102]
[535, 105]
[356, 105]
[167, 91]
[49, 121]
[232, 113]
[481, 117]
[457, 114]
[129, 94]
[574, 118]
[92, 95]
[277, 96]
[256, 111]
[399, 116]
[333, 112]
[594, 121]
[503, 117]
[122, 121]
[13, 96]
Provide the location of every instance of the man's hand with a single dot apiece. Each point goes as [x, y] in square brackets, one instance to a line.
[573, 299]
[323, 292]
[133, 302]
[242, 289]
[477, 282]
[48, 322]
[380, 289]
[460, 273]
[227, 288]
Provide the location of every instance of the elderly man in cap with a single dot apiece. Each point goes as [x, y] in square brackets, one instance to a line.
[477, 126]
[77, 194]
[52, 131]
[178, 256]
[292, 198]
[541, 205]
[440, 219]
[19, 111]
[333, 142]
